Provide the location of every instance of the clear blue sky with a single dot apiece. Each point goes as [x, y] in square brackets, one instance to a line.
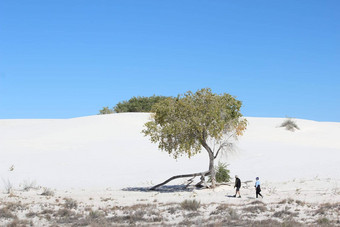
[69, 58]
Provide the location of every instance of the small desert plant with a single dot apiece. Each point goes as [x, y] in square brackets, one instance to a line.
[28, 185]
[190, 205]
[8, 186]
[16, 222]
[289, 201]
[323, 221]
[6, 213]
[233, 214]
[284, 213]
[70, 203]
[47, 192]
[171, 210]
[290, 125]
[257, 202]
[222, 173]
[65, 212]
[95, 214]
[31, 214]
[256, 209]
[13, 206]
[300, 203]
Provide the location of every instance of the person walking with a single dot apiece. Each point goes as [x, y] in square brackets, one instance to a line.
[237, 186]
[258, 187]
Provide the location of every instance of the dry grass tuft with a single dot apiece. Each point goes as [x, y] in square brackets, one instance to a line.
[70, 203]
[47, 192]
[192, 205]
[255, 209]
[6, 213]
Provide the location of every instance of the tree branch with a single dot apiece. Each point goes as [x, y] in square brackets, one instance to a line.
[180, 176]
[223, 145]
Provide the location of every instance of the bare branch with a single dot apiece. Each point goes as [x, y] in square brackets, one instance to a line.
[180, 176]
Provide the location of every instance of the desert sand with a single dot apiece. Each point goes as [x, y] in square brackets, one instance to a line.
[96, 171]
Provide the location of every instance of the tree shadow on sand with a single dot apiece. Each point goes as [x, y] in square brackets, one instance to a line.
[162, 189]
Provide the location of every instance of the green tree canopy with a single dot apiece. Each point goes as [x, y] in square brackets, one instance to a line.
[135, 104]
[183, 125]
[106, 110]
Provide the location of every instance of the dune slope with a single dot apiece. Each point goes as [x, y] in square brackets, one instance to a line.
[110, 151]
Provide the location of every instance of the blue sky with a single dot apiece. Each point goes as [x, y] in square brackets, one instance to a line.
[64, 59]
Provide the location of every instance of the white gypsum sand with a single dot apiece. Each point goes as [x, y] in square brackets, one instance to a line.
[101, 161]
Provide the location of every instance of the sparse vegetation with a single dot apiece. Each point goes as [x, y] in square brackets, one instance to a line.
[106, 110]
[190, 205]
[6, 213]
[323, 221]
[70, 203]
[290, 125]
[7, 186]
[284, 213]
[222, 173]
[135, 104]
[255, 209]
[47, 192]
[47, 212]
[28, 185]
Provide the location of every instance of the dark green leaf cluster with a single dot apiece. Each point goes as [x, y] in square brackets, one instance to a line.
[222, 173]
[106, 110]
[135, 104]
[138, 104]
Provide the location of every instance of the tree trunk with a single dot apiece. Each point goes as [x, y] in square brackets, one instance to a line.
[211, 164]
[180, 176]
[212, 170]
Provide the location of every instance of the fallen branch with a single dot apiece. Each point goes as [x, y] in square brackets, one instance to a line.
[180, 176]
[202, 181]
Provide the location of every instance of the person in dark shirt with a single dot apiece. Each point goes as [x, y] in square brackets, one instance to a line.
[237, 186]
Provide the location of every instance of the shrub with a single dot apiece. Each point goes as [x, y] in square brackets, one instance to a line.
[8, 186]
[233, 214]
[106, 110]
[255, 209]
[222, 173]
[290, 125]
[65, 212]
[323, 221]
[6, 213]
[28, 185]
[138, 104]
[70, 203]
[190, 205]
[47, 192]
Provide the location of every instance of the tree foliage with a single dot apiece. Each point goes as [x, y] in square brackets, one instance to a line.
[138, 104]
[183, 125]
[106, 110]
[135, 104]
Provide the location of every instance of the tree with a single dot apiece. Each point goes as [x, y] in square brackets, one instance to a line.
[138, 104]
[183, 125]
[106, 110]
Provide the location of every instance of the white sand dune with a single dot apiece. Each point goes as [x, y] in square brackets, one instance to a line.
[110, 151]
